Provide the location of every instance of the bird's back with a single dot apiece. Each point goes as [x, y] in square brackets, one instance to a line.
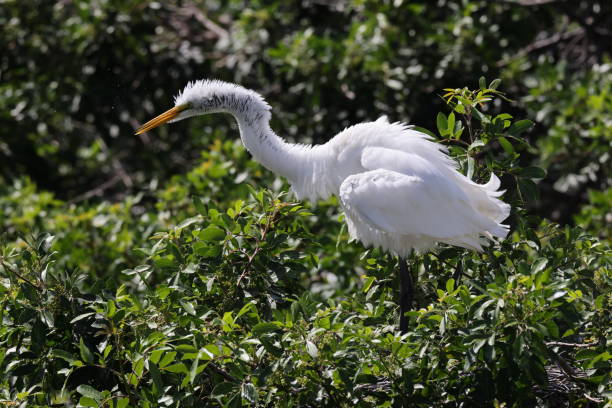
[401, 190]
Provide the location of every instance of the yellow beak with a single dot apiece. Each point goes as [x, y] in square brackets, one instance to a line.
[161, 119]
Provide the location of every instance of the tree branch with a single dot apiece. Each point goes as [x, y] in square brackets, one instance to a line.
[543, 43]
[578, 345]
[95, 191]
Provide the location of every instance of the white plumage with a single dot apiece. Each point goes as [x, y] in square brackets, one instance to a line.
[400, 191]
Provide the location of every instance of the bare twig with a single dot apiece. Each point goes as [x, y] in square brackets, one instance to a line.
[543, 43]
[381, 386]
[123, 175]
[455, 142]
[96, 191]
[191, 10]
[535, 2]
[144, 137]
[223, 373]
[10, 268]
[264, 232]
[119, 169]
[529, 2]
[593, 399]
[210, 25]
[577, 345]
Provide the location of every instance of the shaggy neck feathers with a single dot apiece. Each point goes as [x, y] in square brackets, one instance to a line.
[303, 165]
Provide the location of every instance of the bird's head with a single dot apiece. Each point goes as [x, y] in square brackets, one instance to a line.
[209, 96]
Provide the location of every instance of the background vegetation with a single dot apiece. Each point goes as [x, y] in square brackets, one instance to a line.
[156, 270]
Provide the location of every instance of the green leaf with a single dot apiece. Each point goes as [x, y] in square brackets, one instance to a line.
[156, 377]
[81, 316]
[423, 130]
[603, 357]
[368, 283]
[188, 306]
[506, 145]
[178, 368]
[188, 222]
[478, 345]
[47, 317]
[162, 291]
[228, 321]
[88, 402]
[459, 108]
[442, 124]
[264, 327]
[458, 131]
[120, 402]
[502, 117]
[450, 285]
[111, 308]
[519, 127]
[450, 124]
[311, 349]
[167, 359]
[471, 166]
[249, 393]
[213, 349]
[475, 144]
[482, 83]
[245, 309]
[45, 243]
[542, 278]
[442, 327]
[479, 116]
[483, 307]
[86, 354]
[186, 348]
[495, 83]
[199, 206]
[64, 355]
[539, 265]
[211, 234]
[193, 372]
[89, 391]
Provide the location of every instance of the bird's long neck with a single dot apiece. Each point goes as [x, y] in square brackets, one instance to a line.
[302, 165]
[270, 149]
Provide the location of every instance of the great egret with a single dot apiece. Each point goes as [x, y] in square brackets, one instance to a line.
[399, 190]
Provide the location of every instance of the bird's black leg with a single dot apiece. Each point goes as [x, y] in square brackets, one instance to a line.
[458, 273]
[406, 294]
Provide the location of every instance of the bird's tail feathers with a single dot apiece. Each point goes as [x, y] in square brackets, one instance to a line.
[492, 186]
[490, 205]
[499, 231]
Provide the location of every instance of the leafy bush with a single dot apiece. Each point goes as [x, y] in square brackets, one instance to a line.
[78, 77]
[207, 291]
[575, 108]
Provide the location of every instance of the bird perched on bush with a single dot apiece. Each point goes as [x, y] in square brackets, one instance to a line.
[400, 191]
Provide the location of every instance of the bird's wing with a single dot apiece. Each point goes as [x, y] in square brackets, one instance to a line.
[405, 194]
[406, 205]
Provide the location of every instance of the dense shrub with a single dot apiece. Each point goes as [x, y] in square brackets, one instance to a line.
[77, 78]
[207, 291]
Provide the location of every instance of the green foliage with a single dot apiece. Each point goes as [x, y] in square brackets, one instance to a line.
[207, 291]
[148, 271]
[597, 215]
[576, 111]
[78, 78]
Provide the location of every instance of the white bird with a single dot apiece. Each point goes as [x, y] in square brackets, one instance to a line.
[400, 191]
